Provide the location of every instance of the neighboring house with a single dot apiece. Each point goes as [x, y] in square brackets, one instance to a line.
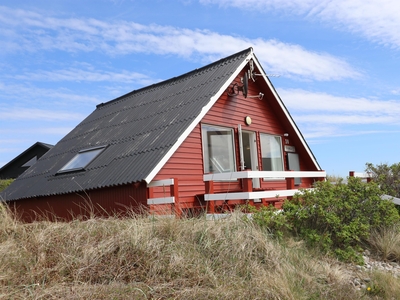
[207, 140]
[22, 162]
[369, 177]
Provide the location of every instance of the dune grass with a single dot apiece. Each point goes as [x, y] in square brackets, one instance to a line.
[164, 258]
[385, 242]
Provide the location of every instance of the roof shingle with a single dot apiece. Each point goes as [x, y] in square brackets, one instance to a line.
[138, 129]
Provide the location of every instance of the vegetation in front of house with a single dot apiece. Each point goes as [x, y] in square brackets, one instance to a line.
[337, 218]
[287, 254]
[5, 183]
[167, 258]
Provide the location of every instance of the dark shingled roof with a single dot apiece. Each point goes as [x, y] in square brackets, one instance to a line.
[16, 165]
[138, 129]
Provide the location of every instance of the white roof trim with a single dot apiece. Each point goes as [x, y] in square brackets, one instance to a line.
[288, 116]
[210, 104]
[196, 121]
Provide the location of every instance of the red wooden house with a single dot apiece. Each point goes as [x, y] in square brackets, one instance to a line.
[207, 140]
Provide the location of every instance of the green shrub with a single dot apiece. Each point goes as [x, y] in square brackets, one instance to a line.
[388, 177]
[5, 183]
[271, 218]
[339, 217]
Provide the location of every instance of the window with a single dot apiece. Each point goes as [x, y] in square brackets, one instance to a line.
[218, 149]
[271, 152]
[81, 160]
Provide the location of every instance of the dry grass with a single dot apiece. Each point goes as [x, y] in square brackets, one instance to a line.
[145, 258]
[385, 242]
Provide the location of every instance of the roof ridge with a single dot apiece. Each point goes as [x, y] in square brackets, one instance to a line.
[179, 77]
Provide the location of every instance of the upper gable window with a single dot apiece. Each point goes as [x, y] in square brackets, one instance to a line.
[218, 149]
[82, 159]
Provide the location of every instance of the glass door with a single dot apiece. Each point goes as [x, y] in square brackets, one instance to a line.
[249, 153]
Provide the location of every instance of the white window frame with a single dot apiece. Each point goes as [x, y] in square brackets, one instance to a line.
[282, 166]
[74, 164]
[230, 148]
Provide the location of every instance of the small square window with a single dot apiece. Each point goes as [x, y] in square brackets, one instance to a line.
[82, 159]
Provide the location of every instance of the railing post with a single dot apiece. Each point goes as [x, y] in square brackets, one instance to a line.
[247, 184]
[174, 190]
[210, 190]
[150, 194]
[290, 185]
[351, 173]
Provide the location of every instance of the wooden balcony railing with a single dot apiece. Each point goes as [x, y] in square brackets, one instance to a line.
[247, 176]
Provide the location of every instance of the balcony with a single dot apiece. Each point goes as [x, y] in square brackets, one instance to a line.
[248, 192]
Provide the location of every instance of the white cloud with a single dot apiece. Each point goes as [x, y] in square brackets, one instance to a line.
[302, 100]
[346, 119]
[75, 74]
[376, 20]
[21, 92]
[34, 32]
[322, 115]
[323, 132]
[395, 92]
[29, 114]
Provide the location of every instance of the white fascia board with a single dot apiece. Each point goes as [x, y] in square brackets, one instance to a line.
[196, 121]
[286, 112]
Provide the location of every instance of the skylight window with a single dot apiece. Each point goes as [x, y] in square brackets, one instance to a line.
[81, 160]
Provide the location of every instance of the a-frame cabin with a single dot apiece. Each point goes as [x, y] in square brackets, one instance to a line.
[207, 141]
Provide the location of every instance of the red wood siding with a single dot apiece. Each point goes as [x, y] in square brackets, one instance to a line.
[104, 202]
[186, 163]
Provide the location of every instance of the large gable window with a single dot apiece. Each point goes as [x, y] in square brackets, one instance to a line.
[81, 160]
[271, 152]
[218, 149]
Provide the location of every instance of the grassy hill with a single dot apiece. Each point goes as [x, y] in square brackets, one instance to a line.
[146, 257]
[166, 258]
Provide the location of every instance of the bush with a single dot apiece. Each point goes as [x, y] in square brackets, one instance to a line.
[336, 218]
[339, 217]
[388, 177]
[271, 218]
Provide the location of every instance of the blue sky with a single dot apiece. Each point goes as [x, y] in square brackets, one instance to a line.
[335, 64]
